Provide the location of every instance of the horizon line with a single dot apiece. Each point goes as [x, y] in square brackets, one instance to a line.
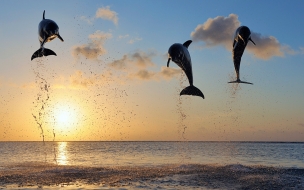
[163, 141]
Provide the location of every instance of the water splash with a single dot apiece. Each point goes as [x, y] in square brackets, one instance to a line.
[180, 111]
[42, 98]
[233, 88]
[108, 98]
[183, 146]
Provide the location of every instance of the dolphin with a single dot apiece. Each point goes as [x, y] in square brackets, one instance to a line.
[241, 38]
[180, 55]
[47, 31]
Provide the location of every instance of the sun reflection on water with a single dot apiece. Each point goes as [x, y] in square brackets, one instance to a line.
[62, 158]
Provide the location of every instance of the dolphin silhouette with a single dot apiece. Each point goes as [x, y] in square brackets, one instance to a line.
[47, 31]
[241, 38]
[180, 55]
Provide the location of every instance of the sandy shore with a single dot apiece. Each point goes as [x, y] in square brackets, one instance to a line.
[162, 177]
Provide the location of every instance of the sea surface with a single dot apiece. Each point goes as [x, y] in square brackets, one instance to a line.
[151, 165]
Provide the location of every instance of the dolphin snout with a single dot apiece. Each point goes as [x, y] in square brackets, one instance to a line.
[168, 61]
[59, 37]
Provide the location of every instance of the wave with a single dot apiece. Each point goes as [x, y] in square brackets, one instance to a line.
[186, 176]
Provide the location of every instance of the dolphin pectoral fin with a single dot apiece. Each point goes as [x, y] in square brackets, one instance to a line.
[239, 81]
[168, 62]
[43, 15]
[42, 52]
[251, 41]
[187, 43]
[192, 90]
[60, 37]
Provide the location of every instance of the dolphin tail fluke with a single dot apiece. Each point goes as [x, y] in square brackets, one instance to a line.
[239, 81]
[192, 90]
[47, 52]
[42, 52]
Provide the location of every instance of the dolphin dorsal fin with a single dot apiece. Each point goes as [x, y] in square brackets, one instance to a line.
[43, 14]
[187, 43]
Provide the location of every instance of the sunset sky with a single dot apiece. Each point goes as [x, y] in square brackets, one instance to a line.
[109, 80]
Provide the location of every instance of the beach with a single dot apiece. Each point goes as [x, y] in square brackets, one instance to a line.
[165, 177]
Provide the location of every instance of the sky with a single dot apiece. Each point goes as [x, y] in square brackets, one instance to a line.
[109, 80]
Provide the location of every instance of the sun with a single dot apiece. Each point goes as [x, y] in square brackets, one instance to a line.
[65, 117]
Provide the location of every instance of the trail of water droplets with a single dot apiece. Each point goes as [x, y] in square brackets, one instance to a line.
[42, 98]
[181, 122]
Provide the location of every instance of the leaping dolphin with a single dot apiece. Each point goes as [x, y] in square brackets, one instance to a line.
[180, 55]
[241, 38]
[47, 31]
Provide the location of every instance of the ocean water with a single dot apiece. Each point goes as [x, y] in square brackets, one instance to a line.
[151, 165]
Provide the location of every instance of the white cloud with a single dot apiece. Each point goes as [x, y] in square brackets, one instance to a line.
[132, 41]
[88, 20]
[78, 80]
[220, 31]
[137, 66]
[107, 14]
[136, 60]
[94, 48]
[217, 31]
[123, 36]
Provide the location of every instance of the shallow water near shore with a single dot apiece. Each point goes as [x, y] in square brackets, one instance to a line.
[151, 165]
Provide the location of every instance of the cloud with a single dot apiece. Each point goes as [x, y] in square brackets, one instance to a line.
[168, 72]
[88, 20]
[137, 66]
[301, 50]
[104, 13]
[143, 74]
[138, 59]
[123, 36]
[217, 31]
[266, 47]
[78, 80]
[127, 37]
[132, 41]
[107, 14]
[94, 48]
[100, 36]
[220, 30]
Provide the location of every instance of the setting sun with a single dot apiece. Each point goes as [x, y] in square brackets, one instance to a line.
[65, 116]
